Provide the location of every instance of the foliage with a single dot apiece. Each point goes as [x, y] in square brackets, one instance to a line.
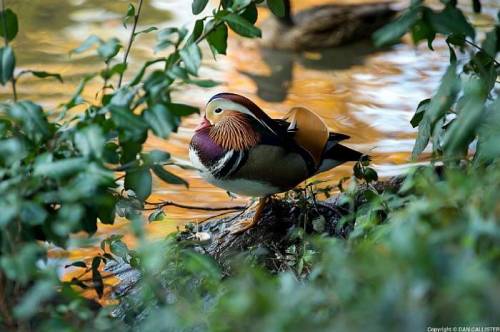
[466, 100]
[433, 262]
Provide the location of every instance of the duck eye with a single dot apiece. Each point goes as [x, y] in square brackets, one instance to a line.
[218, 110]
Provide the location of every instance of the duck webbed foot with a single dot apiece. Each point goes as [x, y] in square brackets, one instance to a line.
[248, 223]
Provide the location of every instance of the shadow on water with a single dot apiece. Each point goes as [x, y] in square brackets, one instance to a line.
[274, 87]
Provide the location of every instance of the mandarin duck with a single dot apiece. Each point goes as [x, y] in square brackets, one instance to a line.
[239, 148]
[325, 26]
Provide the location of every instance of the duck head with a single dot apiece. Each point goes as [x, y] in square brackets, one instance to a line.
[234, 122]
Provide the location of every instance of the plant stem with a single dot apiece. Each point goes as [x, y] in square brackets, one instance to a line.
[130, 41]
[481, 49]
[183, 206]
[6, 41]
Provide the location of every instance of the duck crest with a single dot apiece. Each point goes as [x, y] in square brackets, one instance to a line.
[259, 114]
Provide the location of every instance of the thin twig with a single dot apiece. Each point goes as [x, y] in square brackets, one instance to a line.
[159, 205]
[130, 41]
[481, 49]
[215, 216]
[6, 42]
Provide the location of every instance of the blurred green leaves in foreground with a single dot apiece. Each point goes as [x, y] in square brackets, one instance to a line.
[425, 256]
[432, 261]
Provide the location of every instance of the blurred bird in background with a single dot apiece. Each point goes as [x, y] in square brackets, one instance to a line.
[325, 26]
[239, 148]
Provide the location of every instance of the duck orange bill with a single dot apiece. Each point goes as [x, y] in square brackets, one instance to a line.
[203, 124]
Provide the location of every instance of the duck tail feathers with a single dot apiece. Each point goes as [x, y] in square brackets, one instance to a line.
[336, 154]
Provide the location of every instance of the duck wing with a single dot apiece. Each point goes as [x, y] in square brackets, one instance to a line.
[308, 131]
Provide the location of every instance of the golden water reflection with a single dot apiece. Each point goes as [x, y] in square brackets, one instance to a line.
[366, 93]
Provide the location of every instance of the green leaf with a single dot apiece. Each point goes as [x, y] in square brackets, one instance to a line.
[319, 224]
[392, 33]
[60, 168]
[198, 5]
[90, 141]
[110, 153]
[422, 30]
[491, 44]
[197, 31]
[32, 213]
[130, 13]
[370, 174]
[217, 39]
[119, 249]
[439, 105]
[161, 120]
[8, 19]
[81, 264]
[155, 157]
[358, 170]
[157, 215]
[241, 26]
[87, 44]
[33, 119]
[96, 276]
[119, 69]
[456, 39]
[77, 98]
[182, 109]
[109, 49]
[226, 3]
[451, 21]
[239, 4]
[277, 7]
[422, 107]
[465, 127]
[140, 181]
[168, 177]
[148, 30]
[33, 299]
[191, 56]
[140, 74]
[105, 205]
[489, 134]
[204, 83]
[250, 13]
[165, 38]
[7, 64]
[133, 126]
[44, 74]
[12, 150]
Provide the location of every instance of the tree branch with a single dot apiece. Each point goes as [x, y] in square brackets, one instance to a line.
[162, 204]
[130, 41]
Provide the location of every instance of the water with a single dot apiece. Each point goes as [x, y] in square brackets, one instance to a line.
[360, 91]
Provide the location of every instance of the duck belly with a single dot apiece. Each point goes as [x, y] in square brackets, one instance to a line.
[245, 187]
[271, 168]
